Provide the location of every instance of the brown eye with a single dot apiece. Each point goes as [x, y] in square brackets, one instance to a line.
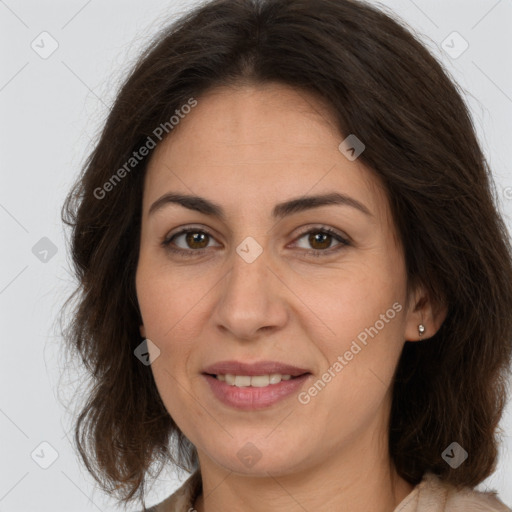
[192, 238]
[188, 242]
[320, 240]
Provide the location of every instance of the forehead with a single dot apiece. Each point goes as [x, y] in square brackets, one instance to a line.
[257, 144]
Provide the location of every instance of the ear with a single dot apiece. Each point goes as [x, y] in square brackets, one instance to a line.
[423, 310]
[142, 331]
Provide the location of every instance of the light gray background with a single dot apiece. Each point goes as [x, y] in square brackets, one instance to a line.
[51, 110]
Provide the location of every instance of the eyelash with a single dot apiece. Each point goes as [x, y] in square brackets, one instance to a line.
[192, 253]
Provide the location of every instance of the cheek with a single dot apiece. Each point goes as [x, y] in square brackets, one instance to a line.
[167, 300]
[361, 328]
[359, 363]
[346, 300]
[170, 323]
[173, 316]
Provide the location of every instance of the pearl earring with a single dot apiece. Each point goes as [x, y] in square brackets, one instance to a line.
[421, 329]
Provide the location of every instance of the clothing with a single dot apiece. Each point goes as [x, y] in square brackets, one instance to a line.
[430, 495]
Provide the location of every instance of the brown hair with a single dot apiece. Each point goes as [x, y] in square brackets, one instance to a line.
[385, 87]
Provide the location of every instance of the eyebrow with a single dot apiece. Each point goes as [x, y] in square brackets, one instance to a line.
[281, 210]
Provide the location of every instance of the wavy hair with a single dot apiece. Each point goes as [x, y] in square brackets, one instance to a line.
[382, 84]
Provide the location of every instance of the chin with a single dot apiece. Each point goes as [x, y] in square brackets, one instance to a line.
[251, 461]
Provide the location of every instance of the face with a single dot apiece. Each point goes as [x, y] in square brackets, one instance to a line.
[321, 287]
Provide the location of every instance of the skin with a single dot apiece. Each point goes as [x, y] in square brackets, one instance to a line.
[248, 148]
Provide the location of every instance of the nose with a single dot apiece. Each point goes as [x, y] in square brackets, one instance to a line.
[252, 299]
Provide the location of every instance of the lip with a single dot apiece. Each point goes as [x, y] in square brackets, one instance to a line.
[254, 398]
[252, 369]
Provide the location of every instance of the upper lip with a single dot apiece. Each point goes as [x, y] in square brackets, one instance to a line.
[259, 368]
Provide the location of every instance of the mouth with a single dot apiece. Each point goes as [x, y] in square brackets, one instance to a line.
[254, 381]
[250, 387]
[256, 369]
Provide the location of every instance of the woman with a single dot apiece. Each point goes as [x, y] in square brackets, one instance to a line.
[293, 279]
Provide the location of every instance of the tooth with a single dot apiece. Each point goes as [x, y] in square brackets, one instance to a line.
[260, 381]
[275, 378]
[242, 380]
[257, 381]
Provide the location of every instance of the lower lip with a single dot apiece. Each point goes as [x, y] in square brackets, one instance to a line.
[251, 398]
